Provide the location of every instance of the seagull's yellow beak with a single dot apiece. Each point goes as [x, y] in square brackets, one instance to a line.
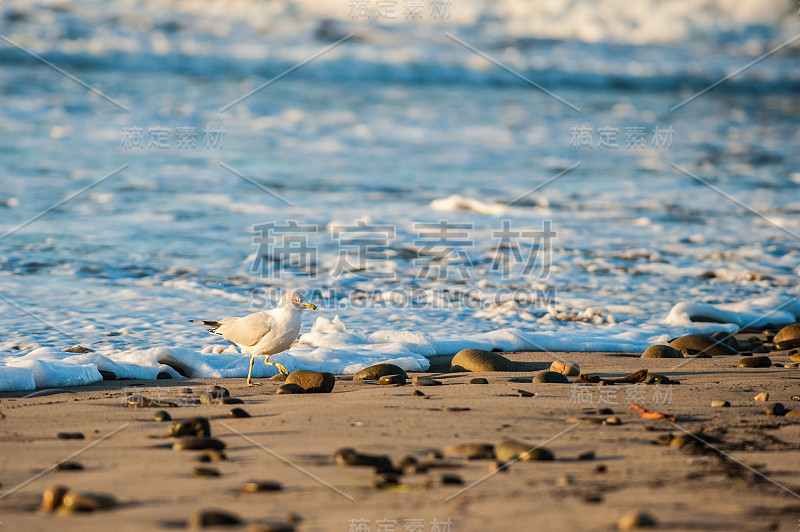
[312, 306]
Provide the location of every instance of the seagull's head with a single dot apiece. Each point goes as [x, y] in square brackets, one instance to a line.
[294, 299]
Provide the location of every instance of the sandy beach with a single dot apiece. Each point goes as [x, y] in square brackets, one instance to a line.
[743, 477]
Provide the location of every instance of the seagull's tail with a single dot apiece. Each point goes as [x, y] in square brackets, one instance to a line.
[214, 324]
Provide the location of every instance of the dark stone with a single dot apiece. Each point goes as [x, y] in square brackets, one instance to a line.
[755, 362]
[702, 342]
[508, 450]
[256, 486]
[68, 466]
[312, 381]
[775, 409]
[196, 426]
[70, 436]
[107, 375]
[788, 337]
[289, 389]
[206, 472]
[550, 377]
[208, 518]
[192, 443]
[163, 375]
[392, 379]
[480, 360]
[238, 412]
[425, 381]
[478, 380]
[661, 351]
[161, 415]
[349, 457]
[377, 371]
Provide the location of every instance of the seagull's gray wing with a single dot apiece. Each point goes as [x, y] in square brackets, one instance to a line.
[246, 331]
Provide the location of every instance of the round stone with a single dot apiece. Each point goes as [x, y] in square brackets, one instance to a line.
[238, 412]
[52, 497]
[279, 377]
[550, 377]
[478, 380]
[192, 443]
[209, 518]
[661, 351]
[289, 389]
[108, 375]
[312, 381]
[83, 502]
[702, 342]
[763, 396]
[727, 339]
[377, 371]
[508, 450]
[635, 519]
[720, 404]
[68, 466]
[256, 486]
[350, 457]
[163, 375]
[775, 409]
[755, 362]
[788, 337]
[425, 381]
[70, 436]
[566, 367]
[392, 379]
[161, 415]
[195, 426]
[480, 360]
[795, 357]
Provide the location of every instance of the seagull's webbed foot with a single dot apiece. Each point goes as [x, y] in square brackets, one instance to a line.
[278, 365]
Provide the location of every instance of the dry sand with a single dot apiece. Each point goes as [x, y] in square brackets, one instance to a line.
[683, 489]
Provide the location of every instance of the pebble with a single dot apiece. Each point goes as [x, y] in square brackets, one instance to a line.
[163, 375]
[161, 415]
[192, 443]
[496, 466]
[211, 455]
[377, 371]
[68, 466]
[565, 480]
[471, 451]
[392, 379]
[279, 377]
[350, 457]
[793, 413]
[70, 436]
[208, 518]
[418, 393]
[107, 375]
[525, 393]
[256, 486]
[206, 472]
[702, 342]
[635, 519]
[449, 478]
[238, 412]
[478, 380]
[52, 497]
[196, 426]
[425, 381]
[588, 455]
[508, 450]
[775, 409]
[788, 337]
[795, 357]
[613, 420]
[661, 351]
[755, 362]
[550, 377]
[566, 367]
[693, 353]
[604, 412]
[87, 502]
[290, 388]
[763, 396]
[78, 348]
[480, 360]
[312, 381]
[719, 404]
[796, 398]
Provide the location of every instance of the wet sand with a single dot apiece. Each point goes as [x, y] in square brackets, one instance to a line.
[291, 439]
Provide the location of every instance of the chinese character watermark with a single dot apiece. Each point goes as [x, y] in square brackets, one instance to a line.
[158, 138]
[631, 138]
[413, 10]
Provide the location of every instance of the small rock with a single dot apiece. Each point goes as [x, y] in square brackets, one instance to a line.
[52, 497]
[788, 337]
[613, 420]
[279, 377]
[525, 393]
[161, 415]
[312, 381]
[206, 472]
[755, 362]
[478, 380]
[349, 457]
[449, 478]
[107, 375]
[418, 393]
[70, 436]
[208, 518]
[508, 450]
[425, 381]
[694, 353]
[398, 380]
[661, 351]
[566, 367]
[550, 377]
[471, 451]
[480, 360]
[702, 342]
[565, 480]
[719, 404]
[588, 455]
[727, 339]
[192, 443]
[87, 502]
[238, 412]
[795, 357]
[635, 519]
[796, 398]
[763, 396]
[375, 372]
[457, 409]
[68, 466]
[775, 409]
[78, 349]
[211, 455]
[290, 388]
[793, 413]
[196, 426]
[163, 375]
[604, 412]
[258, 486]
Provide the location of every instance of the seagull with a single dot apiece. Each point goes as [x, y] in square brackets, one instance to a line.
[266, 332]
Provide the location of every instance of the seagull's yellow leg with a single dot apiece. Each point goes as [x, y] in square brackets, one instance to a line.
[280, 367]
[252, 359]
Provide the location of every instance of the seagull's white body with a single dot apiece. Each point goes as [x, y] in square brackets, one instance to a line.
[267, 332]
